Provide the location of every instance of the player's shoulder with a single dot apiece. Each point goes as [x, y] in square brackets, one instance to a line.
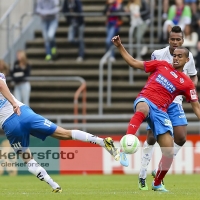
[159, 53]
[191, 56]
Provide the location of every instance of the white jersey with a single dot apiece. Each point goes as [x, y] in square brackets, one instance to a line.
[6, 109]
[189, 68]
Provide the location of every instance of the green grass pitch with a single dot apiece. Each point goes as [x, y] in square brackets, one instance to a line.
[92, 187]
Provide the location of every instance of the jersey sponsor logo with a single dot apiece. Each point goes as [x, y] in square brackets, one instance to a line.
[174, 74]
[193, 94]
[168, 122]
[47, 122]
[181, 80]
[165, 83]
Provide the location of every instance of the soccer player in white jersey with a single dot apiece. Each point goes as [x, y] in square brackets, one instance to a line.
[175, 110]
[19, 122]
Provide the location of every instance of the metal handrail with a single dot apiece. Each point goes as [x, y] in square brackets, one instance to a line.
[101, 64]
[82, 88]
[6, 15]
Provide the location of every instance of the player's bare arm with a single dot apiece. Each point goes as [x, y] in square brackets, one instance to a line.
[194, 79]
[127, 57]
[6, 93]
[196, 108]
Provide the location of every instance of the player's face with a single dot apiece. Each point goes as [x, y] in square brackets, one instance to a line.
[179, 59]
[175, 40]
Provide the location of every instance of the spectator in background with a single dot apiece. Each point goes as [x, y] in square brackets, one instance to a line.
[76, 25]
[140, 19]
[4, 68]
[48, 11]
[190, 39]
[113, 22]
[165, 9]
[21, 70]
[178, 14]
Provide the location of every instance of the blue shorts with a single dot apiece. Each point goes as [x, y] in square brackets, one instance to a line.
[176, 115]
[18, 128]
[158, 120]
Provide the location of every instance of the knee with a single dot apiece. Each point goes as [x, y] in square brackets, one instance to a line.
[180, 140]
[151, 140]
[62, 134]
[168, 152]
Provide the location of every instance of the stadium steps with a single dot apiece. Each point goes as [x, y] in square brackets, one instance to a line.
[57, 97]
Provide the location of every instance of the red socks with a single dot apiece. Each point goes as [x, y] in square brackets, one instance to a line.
[163, 168]
[135, 122]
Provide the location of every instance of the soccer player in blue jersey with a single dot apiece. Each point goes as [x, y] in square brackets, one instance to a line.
[19, 122]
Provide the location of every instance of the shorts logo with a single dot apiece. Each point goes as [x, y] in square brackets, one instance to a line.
[17, 145]
[168, 122]
[193, 94]
[47, 122]
[182, 116]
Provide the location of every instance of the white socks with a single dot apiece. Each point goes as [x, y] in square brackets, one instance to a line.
[176, 149]
[87, 137]
[146, 157]
[40, 172]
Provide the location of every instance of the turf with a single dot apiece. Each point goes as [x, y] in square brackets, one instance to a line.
[91, 187]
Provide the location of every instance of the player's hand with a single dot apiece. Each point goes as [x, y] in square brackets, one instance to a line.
[116, 41]
[16, 109]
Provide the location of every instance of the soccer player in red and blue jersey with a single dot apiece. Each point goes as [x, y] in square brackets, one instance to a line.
[163, 85]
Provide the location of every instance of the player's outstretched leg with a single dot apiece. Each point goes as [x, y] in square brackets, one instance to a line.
[63, 134]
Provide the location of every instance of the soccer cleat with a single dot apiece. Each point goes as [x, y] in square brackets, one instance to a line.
[159, 188]
[153, 173]
[142, 184]
[123, 159]
[109, 146]
[57, 190]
